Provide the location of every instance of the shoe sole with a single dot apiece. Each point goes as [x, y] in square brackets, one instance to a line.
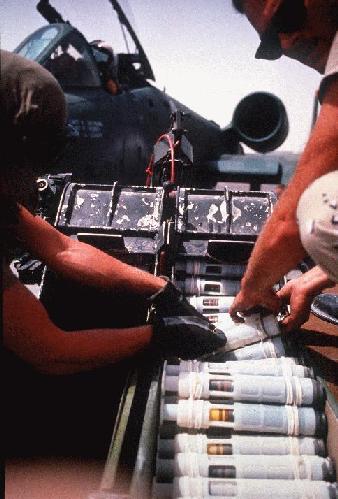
[323, 316]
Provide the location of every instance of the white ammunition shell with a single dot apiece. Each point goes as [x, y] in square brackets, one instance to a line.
[267, 323]
[241, 387]
[255, 418]
[221, 321]
[211, 304]
[269, 348]
[203, 286]
[241, 335]
[188, 487]
[285, 467]
[201, 267]
[242, 444]
[284, 366]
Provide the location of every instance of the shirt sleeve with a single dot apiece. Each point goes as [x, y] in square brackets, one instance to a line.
[331, 69]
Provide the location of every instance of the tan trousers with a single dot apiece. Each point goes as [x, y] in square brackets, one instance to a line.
[317, 215]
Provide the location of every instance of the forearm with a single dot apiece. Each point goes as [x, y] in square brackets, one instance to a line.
[84, 350]
[91, 267]
[314, 281]
[277, 250]
[77, 351]
[28, 331]
[75, 260]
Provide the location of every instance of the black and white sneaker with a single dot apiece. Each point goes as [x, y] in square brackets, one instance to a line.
[325, 306]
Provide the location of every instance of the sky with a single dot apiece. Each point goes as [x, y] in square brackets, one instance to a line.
[201, 52]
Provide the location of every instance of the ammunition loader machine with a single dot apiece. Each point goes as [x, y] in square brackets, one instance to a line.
[202, 240]
[193, 226]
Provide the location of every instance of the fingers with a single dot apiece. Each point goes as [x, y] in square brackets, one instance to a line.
[294, 320]
[236, 315]
[245, 302]
[285, 293]
[299, 313]
[288, 323]
[238, 307]
[272, 302]
[300, 304]
[242, 303]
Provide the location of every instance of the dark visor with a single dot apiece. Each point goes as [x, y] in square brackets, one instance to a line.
[289, 18]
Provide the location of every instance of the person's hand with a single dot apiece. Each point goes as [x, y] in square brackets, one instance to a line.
[187, 337]
[298, 295]
[248, 300]
[300, 292]
[179, 329]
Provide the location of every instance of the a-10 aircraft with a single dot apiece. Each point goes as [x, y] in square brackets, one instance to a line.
[116, 116]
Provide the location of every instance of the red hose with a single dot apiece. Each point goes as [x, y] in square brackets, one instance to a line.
[149, 169]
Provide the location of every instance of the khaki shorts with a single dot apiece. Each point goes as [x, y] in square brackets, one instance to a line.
[317, 215]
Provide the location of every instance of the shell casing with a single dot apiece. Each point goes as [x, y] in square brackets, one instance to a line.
[204, 286]
[205, 268]
[219, 449]
[225, 415]
[221, 385]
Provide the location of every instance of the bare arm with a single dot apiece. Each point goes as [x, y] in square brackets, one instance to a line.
[300, 292]
[29, 333]
[278, 248]
[33, 337]
[81, 262]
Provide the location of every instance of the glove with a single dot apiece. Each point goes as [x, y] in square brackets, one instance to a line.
[186, 337]
[170, 302]
[29, 269]
[179, 330]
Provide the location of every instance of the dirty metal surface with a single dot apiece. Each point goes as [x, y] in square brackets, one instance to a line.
[85, 206]
[248, 213]
[111, 207]
[137, 210]
[222, 212]
[200, 212]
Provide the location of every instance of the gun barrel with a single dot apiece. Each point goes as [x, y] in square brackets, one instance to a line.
[49, 13]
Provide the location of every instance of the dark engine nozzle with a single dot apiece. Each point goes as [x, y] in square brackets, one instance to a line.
[260, 121]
